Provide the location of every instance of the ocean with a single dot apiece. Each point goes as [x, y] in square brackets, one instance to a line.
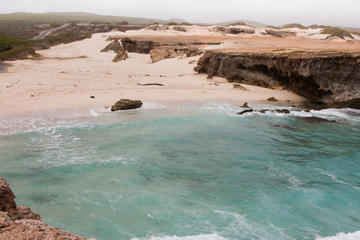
[187, 171]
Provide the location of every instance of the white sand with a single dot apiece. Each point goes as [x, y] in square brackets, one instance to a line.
[65, 80]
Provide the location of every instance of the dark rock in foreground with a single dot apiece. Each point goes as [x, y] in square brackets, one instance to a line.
[126, 104]
[333, 81]
[138, 46]
[20, 223]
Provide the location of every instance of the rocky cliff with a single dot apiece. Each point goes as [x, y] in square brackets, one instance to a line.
[329, 79]
[20, 223]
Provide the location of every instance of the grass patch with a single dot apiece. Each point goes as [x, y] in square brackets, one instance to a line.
[294, 25]
[336, 32]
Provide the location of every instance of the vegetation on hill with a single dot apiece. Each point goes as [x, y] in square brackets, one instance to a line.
[72, 17]
[12, 48]
[295, 25]
[236, 23]
[336, 32]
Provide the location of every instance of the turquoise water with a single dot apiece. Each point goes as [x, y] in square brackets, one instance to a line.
[195, 172]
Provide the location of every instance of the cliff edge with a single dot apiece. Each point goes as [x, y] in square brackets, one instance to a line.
[333, 80]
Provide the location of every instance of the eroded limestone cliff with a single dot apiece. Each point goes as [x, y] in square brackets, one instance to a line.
[330, 79]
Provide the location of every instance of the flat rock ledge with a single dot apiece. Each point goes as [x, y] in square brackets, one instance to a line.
[20, 223]
[126, 104]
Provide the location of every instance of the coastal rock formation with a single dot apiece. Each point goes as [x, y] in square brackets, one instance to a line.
[20, 223]
[126, 104]
[333, 80]
[121, 55]
[138, 46]
[114, 46]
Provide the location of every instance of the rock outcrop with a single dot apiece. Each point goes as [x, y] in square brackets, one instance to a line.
[126, 104]
[114, 46]
[333, 80]
[159, 54]
[138, 46]
[20, 223]
[121, 55]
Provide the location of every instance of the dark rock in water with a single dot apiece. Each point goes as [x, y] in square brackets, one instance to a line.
[245, 105]
[282, 111]
[126, 104]
[332, 80]
[263, 111]
[315, 119]
[138, 46]
[121, 55]
[282, 126]
[272, 99]
[21, 223]
[115, 46]
[92, 96]
[246, 111]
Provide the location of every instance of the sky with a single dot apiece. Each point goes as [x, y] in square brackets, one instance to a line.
[270, 12]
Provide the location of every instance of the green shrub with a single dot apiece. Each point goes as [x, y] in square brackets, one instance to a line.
[295, 25]
[172, 23]
[18, 52]
[185, 24]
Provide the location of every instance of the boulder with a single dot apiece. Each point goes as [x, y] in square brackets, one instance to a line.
[246, 111]
[126, 104]
[121, 55]
[272, 99]
[114, 46]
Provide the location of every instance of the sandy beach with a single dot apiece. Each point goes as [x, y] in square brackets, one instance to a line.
[69, 74]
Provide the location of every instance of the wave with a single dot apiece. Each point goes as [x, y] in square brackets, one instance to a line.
[213, 236]
[342, 236]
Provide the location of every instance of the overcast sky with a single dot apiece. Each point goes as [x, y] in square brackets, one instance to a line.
[275, 12]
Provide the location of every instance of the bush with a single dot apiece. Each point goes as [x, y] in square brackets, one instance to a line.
[336, 32]
[172, 23]
[18, 52]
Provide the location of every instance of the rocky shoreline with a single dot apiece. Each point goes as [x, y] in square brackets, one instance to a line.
[20, 223]
[327, 81]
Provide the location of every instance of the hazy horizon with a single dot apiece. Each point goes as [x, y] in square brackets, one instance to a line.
[276, 12]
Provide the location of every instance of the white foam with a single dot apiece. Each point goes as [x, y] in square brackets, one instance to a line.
[213, 236]
[153, 105]
[342, 236]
